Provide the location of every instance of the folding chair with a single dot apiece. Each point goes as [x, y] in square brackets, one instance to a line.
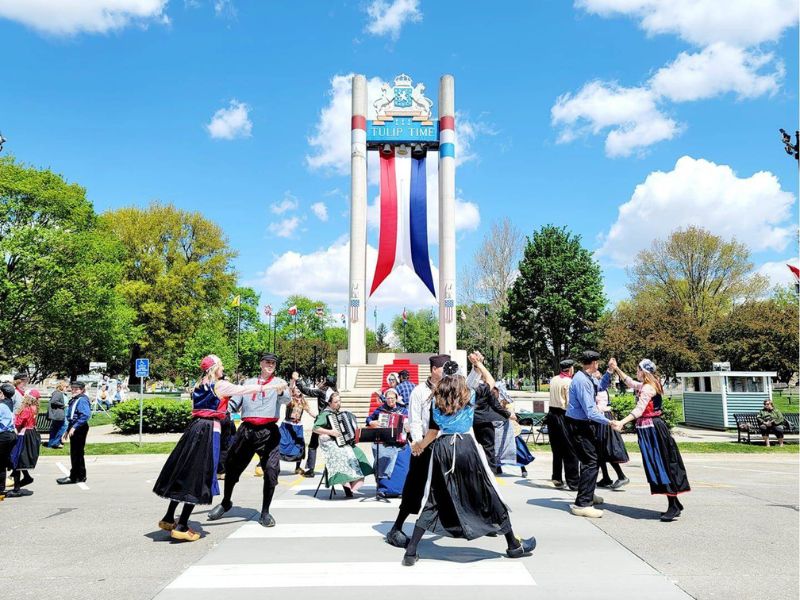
[325, 479]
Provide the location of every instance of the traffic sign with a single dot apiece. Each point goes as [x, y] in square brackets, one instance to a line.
[142, 367]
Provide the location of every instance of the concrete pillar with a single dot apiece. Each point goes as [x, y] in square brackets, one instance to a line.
[447, 208]
[356, 331]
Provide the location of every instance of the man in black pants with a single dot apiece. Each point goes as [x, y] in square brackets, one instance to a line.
[8, 435]
[258, 434]
[78, 414]
[582, 413]
[419, 420]
[560, 443]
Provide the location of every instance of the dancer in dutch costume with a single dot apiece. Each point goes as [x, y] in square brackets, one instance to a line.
[323, 395]
[293, 441]
[461, 495]
[609, 441]
[190, 473]
[560, 440]
[663, 464]
[347, 464]
[258, 434]
[419, 418]
[511, 449]
[25, 454]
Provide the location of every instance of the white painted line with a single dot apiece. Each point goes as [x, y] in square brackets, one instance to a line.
[65, 471]
[748, 470]
[338, 501]
[493, 574]
[311, 530]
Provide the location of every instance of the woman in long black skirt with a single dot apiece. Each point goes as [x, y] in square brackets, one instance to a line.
[461, 496]
[663, 464]
[190, 473]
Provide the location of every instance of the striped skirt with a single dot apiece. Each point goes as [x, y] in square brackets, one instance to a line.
[661, 458]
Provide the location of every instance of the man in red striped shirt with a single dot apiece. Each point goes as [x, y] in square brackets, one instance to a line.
[258, 434]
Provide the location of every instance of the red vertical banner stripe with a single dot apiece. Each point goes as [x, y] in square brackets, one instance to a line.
[387, 243]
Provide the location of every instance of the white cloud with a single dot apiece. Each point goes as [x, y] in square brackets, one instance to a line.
[716, 70]
[320, 210]
[630, 114]
[70, 17]
[323, 278]
[635, 117]
[702, 22]
[288, 203]
[754, 210]
[231, 122]
[284, 228]
[778, 272]
[225, 9]
[388, 19]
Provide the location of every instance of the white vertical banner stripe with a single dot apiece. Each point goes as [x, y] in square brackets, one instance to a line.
[402, 173]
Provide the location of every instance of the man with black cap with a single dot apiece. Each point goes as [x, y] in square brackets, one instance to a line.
[419, 420]
[258, 434]
[20, 381]
[322, 394]
[563, 453]
[582, 412]
[79, 412]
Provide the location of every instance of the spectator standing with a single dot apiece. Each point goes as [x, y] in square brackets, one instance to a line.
[405, 387]
[20, 381]
[78, 414]
[8, 434]
[770, 420]
[57, 415]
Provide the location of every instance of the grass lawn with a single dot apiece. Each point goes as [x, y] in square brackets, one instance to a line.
[115, 448]
[100, 418]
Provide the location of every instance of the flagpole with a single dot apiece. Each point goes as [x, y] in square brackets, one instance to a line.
[294, 342]
[238, 331]
[269, 332]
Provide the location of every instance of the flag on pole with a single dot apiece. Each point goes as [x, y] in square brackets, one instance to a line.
[320, 311]
[405, 317]
[375, 312]
[292, 310]
[268, 310]
[237, 301]
[344, 318]
[795, 271]
[449, 309]
[355, 303]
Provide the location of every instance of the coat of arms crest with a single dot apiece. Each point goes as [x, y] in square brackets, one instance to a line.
[403, 99]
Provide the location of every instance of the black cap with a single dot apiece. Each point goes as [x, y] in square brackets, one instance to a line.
[589, 356]
[566, 364]
[438, 360]
[77, 384]
[8, 390]
[330, 381]
[20, 376]
[403, 374]
[269, 356]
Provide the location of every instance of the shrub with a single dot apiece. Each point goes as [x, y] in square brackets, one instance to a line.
[622, 405]
[159, 415]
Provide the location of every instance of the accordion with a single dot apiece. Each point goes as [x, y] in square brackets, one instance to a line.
[395, 422]
[345, 426]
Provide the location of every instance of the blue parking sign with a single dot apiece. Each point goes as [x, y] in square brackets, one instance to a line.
[142, 367]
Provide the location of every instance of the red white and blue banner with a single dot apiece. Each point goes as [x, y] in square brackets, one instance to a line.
[403, 238]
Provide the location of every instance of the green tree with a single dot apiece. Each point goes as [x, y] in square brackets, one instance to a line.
[557, 297]
[177, 274]
[58, 304]
[210, 337]
[761, 335]
[699, 271]
[421, 333]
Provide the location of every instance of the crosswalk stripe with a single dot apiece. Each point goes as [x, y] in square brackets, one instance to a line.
[336, 502]
[351, 574]
[311, 530]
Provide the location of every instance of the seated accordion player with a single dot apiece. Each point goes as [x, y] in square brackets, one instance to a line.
[346, 428]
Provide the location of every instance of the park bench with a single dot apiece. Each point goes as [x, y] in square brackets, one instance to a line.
[42, 423]
[747, 424]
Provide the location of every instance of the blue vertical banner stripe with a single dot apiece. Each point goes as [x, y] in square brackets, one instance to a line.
[418, 220]
[447, 150]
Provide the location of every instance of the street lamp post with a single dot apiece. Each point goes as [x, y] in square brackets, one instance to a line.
[792, 150]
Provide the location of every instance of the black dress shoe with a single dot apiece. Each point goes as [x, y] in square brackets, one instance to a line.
[604, 483]
[524, 549]
[673, 512]
[309, 473]
[27, 480]
[397, 538]
[524, 472]
[409, 560]
[266, 520]
[65, 480]
[18, 493]
[218, 511]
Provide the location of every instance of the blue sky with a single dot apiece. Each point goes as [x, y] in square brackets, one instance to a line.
[622, 119]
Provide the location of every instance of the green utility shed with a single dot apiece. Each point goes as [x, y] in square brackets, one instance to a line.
[711, 398]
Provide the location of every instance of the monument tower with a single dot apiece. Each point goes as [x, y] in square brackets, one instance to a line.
[402, 133]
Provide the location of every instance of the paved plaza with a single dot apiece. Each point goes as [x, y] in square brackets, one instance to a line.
[741, 520]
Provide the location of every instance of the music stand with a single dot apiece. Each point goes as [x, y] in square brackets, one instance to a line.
[378, 436]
